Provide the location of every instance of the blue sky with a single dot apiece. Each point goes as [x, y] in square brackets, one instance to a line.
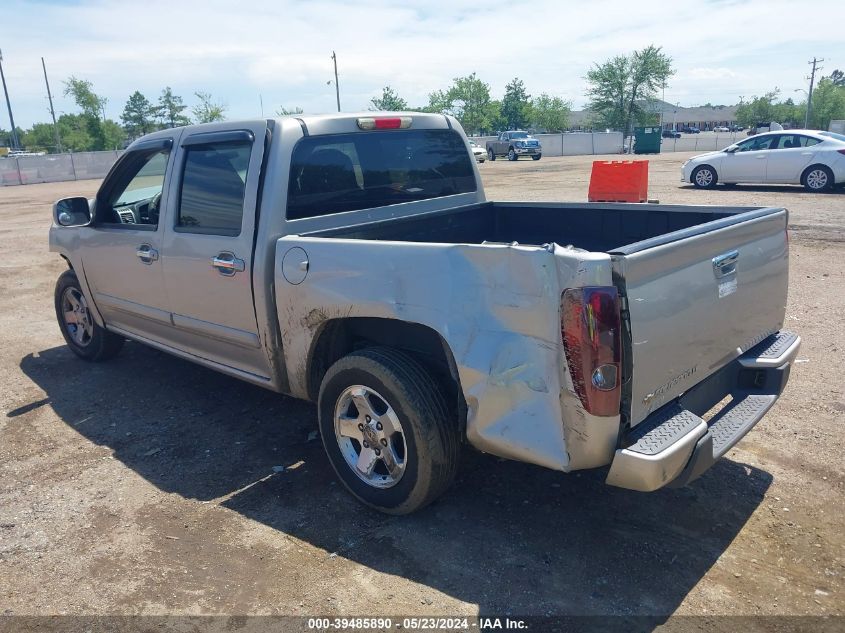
[723, 49]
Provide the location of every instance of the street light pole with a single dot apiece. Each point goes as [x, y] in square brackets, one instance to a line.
[52, 111]
[15, 143]
[336, 84]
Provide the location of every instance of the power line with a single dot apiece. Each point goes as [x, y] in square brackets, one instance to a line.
[15, 142]
[812, 78]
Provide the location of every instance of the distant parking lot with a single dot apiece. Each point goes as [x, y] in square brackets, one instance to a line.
[147, 485]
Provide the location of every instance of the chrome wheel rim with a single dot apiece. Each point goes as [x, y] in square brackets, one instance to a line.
[370, 436]
[77, 318]
[704, 177]
[817, 179]
[511, 154]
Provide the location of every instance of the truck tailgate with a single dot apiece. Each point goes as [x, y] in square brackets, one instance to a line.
[696, 300]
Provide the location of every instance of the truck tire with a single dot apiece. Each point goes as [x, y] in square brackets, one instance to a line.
[388, 430]
[704, 177]
[491, 154]
[83, 336]
[536, 157]
[817, 178]
[512, 154]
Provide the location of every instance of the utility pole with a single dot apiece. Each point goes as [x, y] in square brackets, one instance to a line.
[810, 93]
[336, 84]
[15, 143]
[52, 111]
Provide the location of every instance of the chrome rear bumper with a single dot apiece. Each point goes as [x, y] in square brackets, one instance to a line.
[675, 445]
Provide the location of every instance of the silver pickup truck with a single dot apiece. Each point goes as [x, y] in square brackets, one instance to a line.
[353, 260]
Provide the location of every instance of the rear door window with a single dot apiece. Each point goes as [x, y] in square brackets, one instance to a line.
[346, 172]
[794, 141]
[213, 186]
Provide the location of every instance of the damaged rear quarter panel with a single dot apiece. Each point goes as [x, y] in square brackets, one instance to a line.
[496, 306]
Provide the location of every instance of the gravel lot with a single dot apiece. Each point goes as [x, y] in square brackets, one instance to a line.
[146, 485]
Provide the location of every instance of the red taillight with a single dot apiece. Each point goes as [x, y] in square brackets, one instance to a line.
[590, 324]
[385, 123]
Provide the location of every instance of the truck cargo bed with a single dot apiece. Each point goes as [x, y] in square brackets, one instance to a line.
[602, 227]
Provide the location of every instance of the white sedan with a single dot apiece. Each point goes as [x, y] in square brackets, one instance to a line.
[479, 152]
[810, 158]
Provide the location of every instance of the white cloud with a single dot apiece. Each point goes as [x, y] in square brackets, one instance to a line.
[281, 49]
[713, 73]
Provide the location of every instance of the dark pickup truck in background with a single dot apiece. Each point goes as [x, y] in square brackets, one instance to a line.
[514, 144]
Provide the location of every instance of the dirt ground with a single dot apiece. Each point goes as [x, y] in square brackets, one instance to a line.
[146, 485]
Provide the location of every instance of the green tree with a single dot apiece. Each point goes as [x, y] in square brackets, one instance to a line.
[169, 109]
[86, 99]
[758, 109]
[495, 120]
[619, 87]
[283, 111]
[828, 104]
[74, 132]
[114, 135]
[438, 102]
[516, 105]
[207, 110]
[389, 101]
[138, 114]
[788, 113]
[550, 114]
[469, 98]
[838, 77]
[93, 108]
[40, 137]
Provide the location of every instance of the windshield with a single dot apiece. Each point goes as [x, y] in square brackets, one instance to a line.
[520, 135]
[344, 172]
[838, 137]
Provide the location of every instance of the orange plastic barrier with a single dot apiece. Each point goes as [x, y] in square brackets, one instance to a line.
[619, 181]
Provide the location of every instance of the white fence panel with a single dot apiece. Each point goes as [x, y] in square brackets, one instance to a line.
[9, 174]
[26, 170]
[573, 144]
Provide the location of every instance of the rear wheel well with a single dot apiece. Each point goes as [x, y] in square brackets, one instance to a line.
[817, 166]
[339, 337]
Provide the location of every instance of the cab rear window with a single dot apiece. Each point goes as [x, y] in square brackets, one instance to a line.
[346, 172]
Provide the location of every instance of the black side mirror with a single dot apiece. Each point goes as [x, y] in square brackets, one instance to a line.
[72, 212]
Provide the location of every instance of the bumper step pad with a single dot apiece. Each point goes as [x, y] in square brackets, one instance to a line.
[773, 351]
[668, 426]
[731, 422]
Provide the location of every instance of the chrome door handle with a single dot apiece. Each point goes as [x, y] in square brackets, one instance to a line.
[724, 265]
[227, 264]
[146, 253]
